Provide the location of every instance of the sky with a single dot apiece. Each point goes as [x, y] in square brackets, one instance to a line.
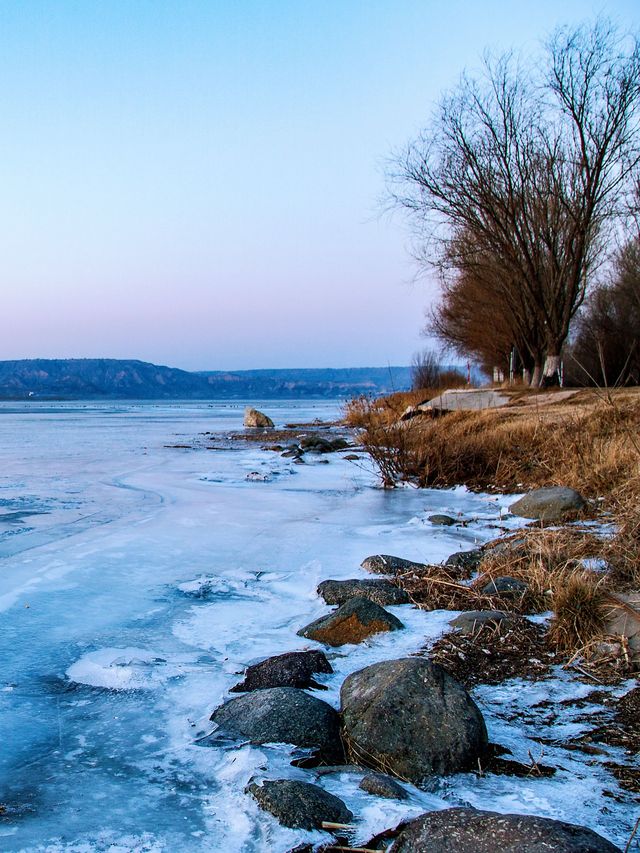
[199, 183]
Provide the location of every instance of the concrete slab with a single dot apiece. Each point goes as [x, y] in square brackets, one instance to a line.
[467, 399]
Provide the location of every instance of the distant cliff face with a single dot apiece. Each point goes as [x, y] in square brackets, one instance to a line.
[95, 378]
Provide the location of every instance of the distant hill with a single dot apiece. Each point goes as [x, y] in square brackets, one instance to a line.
[108, 378]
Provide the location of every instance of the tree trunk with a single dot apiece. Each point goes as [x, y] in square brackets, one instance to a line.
[551, 374]
[526, 376]
[536, 375]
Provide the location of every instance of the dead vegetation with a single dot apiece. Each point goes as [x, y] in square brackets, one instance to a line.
[515, 648]
[584, 442]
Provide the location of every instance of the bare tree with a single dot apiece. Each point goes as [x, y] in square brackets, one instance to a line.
[425, 370]
[532, 169]
[483, 311]
[606, 348]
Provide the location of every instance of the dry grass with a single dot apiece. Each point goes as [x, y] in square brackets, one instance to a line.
[579, 612]
[587, 444]
[623, 550]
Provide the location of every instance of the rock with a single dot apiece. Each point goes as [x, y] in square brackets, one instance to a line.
[466, 830]
[352, 622]
[351, 457]
[257, 477]
[293, 669]
[254, 419]
[505, 585]
[299, 805]
[551, 504]
[381, 591]
[442, 520]
[412, 718]
[282, 715]
[623, 620]
[292, 452]
[381, 785]
[471, 621]
[466, 561]
[318, 444]
[385, 564]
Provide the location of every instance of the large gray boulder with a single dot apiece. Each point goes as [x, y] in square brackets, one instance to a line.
[292, 669]
[353, 622]
[379, 590]
[470, 831]
[282, 715]
[253, 419]
[385, 564]
[299, 805]
[551, 504]
[411, 718]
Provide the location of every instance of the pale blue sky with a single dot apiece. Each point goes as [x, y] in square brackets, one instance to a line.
[196, 183]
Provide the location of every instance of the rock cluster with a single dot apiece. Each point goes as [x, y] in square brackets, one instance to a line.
[407, 718]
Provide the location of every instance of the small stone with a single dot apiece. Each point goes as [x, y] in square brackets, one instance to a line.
[385, 564]
[442, 520]
[470, 622]
[505, 586]
[381, 591]
[299, 805]
[466, 561]
[381, 785]
[352, 622]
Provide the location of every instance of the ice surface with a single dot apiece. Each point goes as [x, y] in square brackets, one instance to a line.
[138, 580]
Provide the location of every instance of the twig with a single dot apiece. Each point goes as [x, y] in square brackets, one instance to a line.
[584, 672]
[631, 837]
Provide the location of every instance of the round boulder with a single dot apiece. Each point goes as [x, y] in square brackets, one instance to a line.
[379, 590]
[299, 805]
[352, 622]
[551, 504]
[253, 419]
[470, 831]
[282, 715]
[411, 718]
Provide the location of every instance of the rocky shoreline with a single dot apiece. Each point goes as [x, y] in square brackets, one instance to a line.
[403, 722]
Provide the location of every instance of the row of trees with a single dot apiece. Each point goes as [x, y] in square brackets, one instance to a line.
[517, 189]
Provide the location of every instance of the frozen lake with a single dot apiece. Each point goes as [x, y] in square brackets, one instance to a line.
[111, 667]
